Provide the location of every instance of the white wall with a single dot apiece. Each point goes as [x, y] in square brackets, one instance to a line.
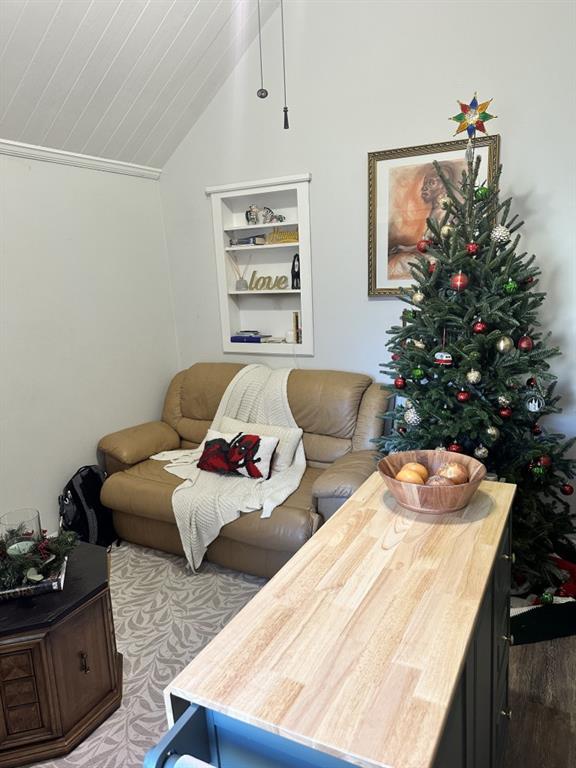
[365, 76]
[86, 326]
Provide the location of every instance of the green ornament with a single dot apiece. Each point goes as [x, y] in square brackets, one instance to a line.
[417, 374]
[510, 287]
[546, 598]
[482, 193]
[538, 471]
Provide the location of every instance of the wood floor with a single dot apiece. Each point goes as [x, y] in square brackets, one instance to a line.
[543, 703]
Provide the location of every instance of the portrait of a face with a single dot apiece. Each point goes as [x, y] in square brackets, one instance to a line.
[414, 193]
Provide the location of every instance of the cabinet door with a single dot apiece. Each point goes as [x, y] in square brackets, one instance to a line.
[82, 652]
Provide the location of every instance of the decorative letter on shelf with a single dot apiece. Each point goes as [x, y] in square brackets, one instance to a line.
[267, 283]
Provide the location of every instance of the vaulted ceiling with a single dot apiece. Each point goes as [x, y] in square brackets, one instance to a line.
[120, 79]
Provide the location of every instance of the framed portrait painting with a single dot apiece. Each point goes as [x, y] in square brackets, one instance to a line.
[404, 190]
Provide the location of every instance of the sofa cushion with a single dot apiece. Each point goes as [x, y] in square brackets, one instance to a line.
[145, 490]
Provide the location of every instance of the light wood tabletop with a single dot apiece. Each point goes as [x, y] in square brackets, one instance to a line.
[355, 647]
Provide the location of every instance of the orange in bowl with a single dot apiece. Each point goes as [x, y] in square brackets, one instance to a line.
[415, 466]
[407, 475]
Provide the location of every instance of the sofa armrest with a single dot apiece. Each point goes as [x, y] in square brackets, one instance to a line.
[129, 446]
[341, 480]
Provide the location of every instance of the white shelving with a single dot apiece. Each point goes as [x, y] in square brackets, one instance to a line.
[269, 310]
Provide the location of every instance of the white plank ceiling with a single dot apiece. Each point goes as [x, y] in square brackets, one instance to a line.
[120, 79]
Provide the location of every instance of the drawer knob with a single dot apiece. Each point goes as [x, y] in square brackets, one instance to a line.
[511, 557]
[507, 713]
[508, 638]
[84, 667]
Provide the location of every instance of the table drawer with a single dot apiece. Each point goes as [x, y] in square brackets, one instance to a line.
[213, 740]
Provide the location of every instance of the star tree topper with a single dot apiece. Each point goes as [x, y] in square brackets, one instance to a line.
[472, 117]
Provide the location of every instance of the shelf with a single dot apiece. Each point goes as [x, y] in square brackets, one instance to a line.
[281, 348]
[253, 227]
[260, 247]
[277, 291]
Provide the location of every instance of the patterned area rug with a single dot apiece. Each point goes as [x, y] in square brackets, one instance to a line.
[163, 616]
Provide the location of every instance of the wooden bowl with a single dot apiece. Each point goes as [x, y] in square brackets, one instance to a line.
[433, 500]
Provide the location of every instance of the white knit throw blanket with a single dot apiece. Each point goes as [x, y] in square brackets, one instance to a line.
[206, 501]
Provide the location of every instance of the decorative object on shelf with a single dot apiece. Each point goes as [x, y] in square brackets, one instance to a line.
[241, 283]
[254, 240]
[472, 117]
[295, 272]
[282, 236]
[406, 179]
[473, 376]
[252, 214]
[459, 281]
[504, 345]
[297, 327]
[500, 235]
[267, 216]
[480, 327]
[28, 557]
[525, 344]
[267, 282]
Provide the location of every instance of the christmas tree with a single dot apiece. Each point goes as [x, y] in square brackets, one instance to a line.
[473, 366]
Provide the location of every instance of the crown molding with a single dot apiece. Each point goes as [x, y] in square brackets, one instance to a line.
[59, 156]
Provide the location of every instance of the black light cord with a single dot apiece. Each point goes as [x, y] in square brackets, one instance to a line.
[286, 125]
[261, 92]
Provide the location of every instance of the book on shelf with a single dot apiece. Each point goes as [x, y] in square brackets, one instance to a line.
[296, 327]
[237, 339]
[254, 240]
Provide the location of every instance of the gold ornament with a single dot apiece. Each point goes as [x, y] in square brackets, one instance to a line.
[481, 452]
[504, 345]
[445, 202]
[418, 297]
[447, 230]
[473, 376]
[503, 401]
[493, 432]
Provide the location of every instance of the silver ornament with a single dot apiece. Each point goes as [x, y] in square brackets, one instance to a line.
[493, 432]
[447, 230]
[473, 376]
[481, 452]
[440, 448]
[445, 202]
[504, 344]
[418, 297]
[503, 401]
[500, 235]
[535, 403]
[411, 417]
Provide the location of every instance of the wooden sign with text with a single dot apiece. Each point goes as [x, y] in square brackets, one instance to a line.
[267, 282]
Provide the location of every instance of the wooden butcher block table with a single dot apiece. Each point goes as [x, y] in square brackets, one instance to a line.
[382, 643]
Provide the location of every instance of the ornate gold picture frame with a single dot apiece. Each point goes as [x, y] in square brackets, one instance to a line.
[403, 192]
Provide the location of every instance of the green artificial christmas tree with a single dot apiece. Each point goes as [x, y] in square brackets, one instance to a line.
[473, 366]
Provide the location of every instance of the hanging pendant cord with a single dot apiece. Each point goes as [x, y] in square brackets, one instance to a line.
[260, 44]
[286, 125]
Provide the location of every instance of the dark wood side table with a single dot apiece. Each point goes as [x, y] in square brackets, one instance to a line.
[60, 672]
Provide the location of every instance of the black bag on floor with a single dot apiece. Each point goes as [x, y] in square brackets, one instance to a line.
[81, 509]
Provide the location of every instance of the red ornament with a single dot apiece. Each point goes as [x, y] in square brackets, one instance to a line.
[568, 589]
[567, 489]
[536, 429]
[480, 327]
[422, 245]
[531, 382]
[525, 344]
[400, 382]
[402, 430]
[472, 248]
[463, 396]
[529, 280]
[505, 413]
[455, 448]
[395, 357]
[459, 282]
[432, 266]
[545, 461]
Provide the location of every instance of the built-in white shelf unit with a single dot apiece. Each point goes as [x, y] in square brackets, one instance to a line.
[271, 309]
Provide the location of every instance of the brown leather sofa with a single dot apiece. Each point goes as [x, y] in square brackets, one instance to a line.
[339, 414]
